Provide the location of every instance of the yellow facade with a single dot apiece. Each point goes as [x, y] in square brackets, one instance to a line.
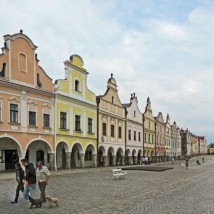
[76, 118]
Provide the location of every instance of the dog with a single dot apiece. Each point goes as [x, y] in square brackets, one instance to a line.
[52, 201]
[182, 164]
[36, 202]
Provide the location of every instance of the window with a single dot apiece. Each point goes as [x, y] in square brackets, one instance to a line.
[112, 99]
[89, 125]
[77, 85]
[149, 125]
[134, 135]
[63, 117]
[112, 130]
[134, 113]
[104, 129]
[149, 138]
[46, 120]
[130, 135]
[77, 123]
[139, 139]
[32, 118]
[145, 138]
[119, 132]
[14, 113]
[152, 139]
[88, 155]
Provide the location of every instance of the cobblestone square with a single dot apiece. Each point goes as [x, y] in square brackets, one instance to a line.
[179, 190]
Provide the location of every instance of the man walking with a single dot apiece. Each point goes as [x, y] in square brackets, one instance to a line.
[29, 179]
[42, 174]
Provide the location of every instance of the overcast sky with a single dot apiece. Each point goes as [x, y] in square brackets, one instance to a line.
[163, 49]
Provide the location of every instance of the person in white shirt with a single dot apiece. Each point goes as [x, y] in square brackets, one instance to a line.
[43, 175]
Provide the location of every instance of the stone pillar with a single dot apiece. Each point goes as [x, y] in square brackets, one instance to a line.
[129, 160]
[94, 160]
[52, 161]
[21, 156]
[113, 160]
[105, 161]
[123, 160]
[82, 160]
[68, 160]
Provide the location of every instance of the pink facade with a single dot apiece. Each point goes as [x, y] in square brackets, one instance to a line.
[26, 105]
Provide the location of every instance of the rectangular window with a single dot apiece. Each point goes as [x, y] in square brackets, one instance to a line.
[90, 125]
[77, 123]
[88, 155]
[130, 135]
[104, 129]
[152, 139]
[149, 138]
[63, 119]
[112, 130]
[14, 113]
[32, 118]
[134, 135]
[139, 138]
[46, 120]
[145, 137]
[119, 132]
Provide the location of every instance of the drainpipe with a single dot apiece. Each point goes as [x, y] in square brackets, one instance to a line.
[126, 112]
[155, 142]
[98, 102]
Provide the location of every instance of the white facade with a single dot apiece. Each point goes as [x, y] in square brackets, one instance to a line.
[134, 131]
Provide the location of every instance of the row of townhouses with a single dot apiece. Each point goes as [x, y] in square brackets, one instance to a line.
[66, 125]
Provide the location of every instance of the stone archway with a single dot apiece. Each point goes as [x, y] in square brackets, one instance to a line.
[62, 156]
[90, 156]
[10, 153]
[38, 149]
[77, 156]
[111, 158]
[100, 157]
[134, 157]
[127, 157]
[119, 157]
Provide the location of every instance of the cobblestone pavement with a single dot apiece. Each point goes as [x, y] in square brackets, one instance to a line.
[179, 190]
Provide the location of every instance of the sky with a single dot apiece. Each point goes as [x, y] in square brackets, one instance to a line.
[161, 49]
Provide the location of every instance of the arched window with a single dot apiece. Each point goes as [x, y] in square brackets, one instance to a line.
[77, 85]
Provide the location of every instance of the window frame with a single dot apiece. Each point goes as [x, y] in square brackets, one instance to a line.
[14, 113]
[63, 120]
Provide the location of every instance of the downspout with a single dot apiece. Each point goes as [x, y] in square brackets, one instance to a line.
[98, 102]
[155, 142]
[125, 133]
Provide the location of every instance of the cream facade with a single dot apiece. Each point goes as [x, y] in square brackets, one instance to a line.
[76, 118]
[134, 131]
[111, 127]
[149, 132]
[26, 105]
[168, 138]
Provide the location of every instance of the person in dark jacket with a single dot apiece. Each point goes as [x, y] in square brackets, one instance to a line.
[29, 179]
[20, 183]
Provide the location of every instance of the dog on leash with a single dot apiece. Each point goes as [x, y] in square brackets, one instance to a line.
[52, 201]
[36, 202]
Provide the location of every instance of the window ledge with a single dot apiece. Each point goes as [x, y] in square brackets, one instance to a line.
[49, 128]
[78, 131]
[14, 123]
[91, 133]
[64, 129]
[32, 126]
